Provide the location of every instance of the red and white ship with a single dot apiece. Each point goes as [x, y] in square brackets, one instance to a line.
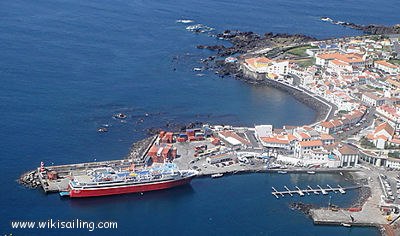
[107, 181]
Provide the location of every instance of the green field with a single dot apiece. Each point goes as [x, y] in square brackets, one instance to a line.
[299, 51]
[306, 62]
[395, 61]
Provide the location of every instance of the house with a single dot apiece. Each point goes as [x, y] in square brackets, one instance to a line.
[302, 136]
[390, 114]
[330, 127]
[304, 147]
[257, 64]
[387, 67]
[372, 99]
[382, 134]
[384, 129]
[321, 157]
[268, 66]
[348, 155]
[325, 127]
[327, 139]
[345, 59]
[275, 142]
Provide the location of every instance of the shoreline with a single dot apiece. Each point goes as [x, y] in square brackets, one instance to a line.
[245, 44]
[322, 110]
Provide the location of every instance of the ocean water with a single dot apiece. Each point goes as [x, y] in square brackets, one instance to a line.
[67, 66]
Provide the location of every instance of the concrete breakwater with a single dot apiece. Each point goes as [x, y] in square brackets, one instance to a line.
[30, 179]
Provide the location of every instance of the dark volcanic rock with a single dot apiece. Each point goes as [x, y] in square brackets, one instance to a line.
[243, 42]
[175, 127]
[370, 29]
[303, 207]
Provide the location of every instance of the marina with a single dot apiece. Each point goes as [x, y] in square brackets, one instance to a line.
[309, 189]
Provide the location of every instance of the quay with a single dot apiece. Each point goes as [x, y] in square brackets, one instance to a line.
[56, 178]
[309, 189]
[369, 213]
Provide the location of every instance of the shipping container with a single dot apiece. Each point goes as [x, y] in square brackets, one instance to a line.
[162, 133]
[153, 151]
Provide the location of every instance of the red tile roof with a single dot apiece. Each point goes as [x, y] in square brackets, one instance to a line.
[311, 143]
[384, 126]
[347, 150]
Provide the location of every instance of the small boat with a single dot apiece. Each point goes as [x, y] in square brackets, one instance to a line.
[64, 194]
[311, 172]
[120, 116]
[282, 172]
[346, 225]
[216, 175]
[197, 69]
[102, 130]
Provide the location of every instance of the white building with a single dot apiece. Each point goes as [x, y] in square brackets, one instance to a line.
[263, 130]
[387, 67]
[265, 65]
[372, 99]
[303, 148]
[348, 156]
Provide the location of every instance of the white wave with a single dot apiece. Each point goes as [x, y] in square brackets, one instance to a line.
[199, 28]
[185, 21]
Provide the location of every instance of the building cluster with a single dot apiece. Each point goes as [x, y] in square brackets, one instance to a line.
[307, 146]
[354, 74]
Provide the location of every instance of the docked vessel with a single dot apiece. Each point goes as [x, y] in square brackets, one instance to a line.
[107, 181]
[218, 175]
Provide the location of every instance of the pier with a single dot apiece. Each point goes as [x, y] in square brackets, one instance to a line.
[309, 189]
[62, 174]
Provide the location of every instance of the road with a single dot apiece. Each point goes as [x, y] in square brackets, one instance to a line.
[396, 45]
[366, 121]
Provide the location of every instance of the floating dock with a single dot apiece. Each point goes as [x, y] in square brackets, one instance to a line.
[309, 189]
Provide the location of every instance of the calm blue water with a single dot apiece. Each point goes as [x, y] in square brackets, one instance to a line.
[67, 66]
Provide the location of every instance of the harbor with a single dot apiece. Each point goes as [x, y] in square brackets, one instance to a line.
[309, 190]
[208, 154]
[217, 151]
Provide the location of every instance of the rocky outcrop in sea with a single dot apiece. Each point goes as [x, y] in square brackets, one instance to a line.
[369, 29]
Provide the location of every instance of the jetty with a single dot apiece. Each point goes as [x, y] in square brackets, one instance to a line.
[57, 177]
[309, 189]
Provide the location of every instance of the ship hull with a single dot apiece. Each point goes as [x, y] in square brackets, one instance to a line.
[96, 192]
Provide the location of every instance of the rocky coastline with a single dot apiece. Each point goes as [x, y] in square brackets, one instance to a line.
[368, 29]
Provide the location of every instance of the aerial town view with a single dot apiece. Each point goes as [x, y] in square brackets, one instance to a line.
[119, 117]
